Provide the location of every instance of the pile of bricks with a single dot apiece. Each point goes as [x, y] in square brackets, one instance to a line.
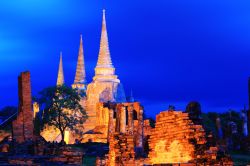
[121, 150]
[68, 156]
[176, 139]
[169, 141]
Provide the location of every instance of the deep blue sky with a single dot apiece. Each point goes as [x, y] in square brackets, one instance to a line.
[168, 52]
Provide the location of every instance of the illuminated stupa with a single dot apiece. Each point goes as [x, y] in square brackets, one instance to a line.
[80, 76]
[105, 85]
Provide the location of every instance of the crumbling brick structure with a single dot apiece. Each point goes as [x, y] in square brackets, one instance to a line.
[176, 139]
[113, 117]
[121, 150]
[123, 118]
[125, 131]
[23, 126]
[122, 141]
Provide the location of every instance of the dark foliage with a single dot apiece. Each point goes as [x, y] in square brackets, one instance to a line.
[61, 108]
[194, 111]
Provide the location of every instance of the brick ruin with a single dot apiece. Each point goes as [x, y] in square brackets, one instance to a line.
[170, 139]
[25, 148]
[45, 154]
[176, 139]
[23, 126]
[113, 117]
[121, 149]
[125, 132]
[122, 140]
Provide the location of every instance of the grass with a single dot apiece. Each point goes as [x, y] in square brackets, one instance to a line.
[89, 161]
[240, 158]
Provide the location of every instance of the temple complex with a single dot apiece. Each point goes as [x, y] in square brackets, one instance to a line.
[178, 137]
[105, 87]
[116, 131]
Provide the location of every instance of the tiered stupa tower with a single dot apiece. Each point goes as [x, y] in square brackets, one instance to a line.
[80, 84]
[80, 77]
[60, 77]
[105, 85]
[104, 69]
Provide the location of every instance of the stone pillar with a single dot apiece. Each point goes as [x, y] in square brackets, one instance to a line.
[105, 116]
[35, 108]
[99, 114]
[23, 126]
[118, 119]
[102, 115]
[122, 119]
[130, 120]
[140, 129]
[137, 108]
[111, 125]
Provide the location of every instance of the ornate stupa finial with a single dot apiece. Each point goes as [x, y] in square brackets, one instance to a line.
[104, 59]
[80, 77]
[104, 69]
[60, 77]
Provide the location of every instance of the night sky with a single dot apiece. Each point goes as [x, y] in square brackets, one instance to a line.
[167, 52]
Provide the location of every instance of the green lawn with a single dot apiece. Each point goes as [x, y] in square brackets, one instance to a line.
[240, 159]
[89, 161]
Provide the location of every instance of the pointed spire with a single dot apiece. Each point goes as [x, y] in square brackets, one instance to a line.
[131, 93]
[104, 70]
[104, 59]
[131, 97]
[80, 76]
[60, 77]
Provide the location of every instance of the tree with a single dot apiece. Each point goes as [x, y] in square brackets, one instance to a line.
[194, 111]
[61, 108]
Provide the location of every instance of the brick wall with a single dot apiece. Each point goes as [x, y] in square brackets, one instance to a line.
[23, 126]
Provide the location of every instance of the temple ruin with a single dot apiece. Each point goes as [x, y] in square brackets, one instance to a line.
[176, 139]
[23, 126]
